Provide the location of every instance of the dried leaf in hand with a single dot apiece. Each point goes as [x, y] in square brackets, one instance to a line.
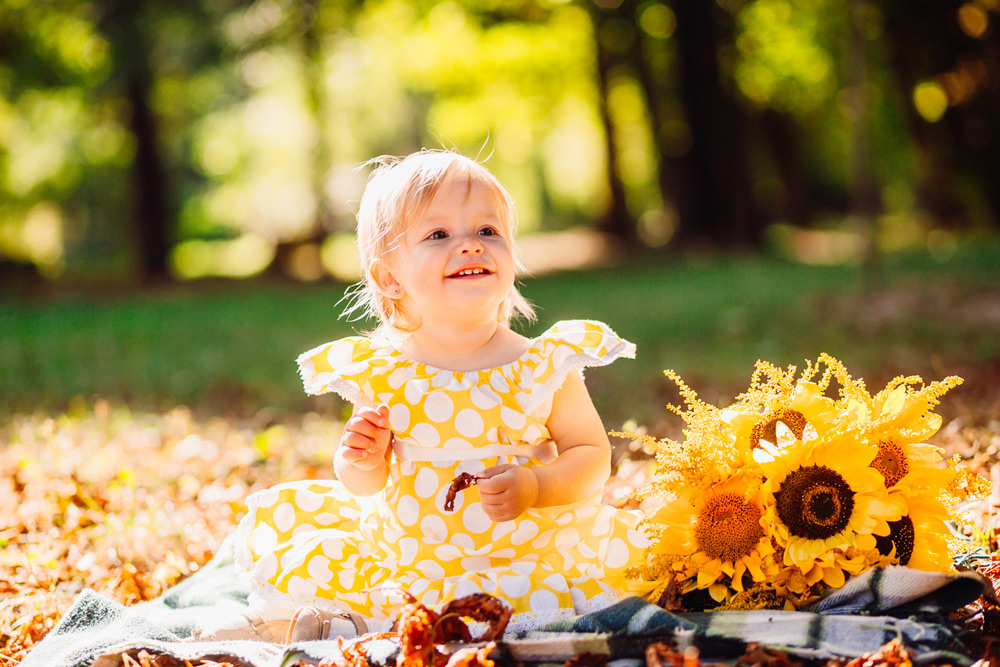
[460, 483]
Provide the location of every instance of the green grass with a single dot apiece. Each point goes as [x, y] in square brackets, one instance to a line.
[231, 346]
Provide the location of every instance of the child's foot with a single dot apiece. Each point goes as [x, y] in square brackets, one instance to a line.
[310, 623]
[247, 626]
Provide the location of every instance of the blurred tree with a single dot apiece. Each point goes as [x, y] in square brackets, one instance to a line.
[609, 43]
[123, 23]
[721, 208]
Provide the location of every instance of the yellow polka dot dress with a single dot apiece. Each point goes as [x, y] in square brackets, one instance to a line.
[314, 543]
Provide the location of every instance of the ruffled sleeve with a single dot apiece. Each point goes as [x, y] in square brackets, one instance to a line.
[343, 366]
[570, 345]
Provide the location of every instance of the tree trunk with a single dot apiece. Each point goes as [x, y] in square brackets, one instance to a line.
[617, 220]
[722, 211]
[151, 217]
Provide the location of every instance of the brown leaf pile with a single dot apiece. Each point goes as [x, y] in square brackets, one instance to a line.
[128, 504]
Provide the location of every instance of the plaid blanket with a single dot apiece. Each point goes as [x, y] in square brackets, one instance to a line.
[859, 618]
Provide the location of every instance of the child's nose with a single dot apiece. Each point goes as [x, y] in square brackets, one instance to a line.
[472, 245]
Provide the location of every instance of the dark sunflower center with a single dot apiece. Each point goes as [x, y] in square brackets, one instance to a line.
[900, 536]
[728, 527]
[815, 502]
[768, 430]
[891, 462]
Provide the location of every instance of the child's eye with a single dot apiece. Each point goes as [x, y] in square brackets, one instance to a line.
[488, 231]
[437, 235]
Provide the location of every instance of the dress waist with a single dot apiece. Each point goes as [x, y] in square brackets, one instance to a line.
[408, 450]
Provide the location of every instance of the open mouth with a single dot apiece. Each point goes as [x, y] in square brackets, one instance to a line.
[468, 273]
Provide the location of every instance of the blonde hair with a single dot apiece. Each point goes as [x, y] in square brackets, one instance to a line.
[399, 189]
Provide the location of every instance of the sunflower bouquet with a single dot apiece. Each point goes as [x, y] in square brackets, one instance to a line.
[771, 502]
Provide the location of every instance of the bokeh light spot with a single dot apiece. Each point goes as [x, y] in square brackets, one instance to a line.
[973, 19]
[658, 20]
[930, 100]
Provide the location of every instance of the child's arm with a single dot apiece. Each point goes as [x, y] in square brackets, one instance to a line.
[362, 459]
[582, 467]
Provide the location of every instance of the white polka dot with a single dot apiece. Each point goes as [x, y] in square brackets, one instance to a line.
[430, 569]
[508, 553]
[526, 530]
[533, 433]
[430, 598]
[543, 601]
[399, 376]
[543, 539]
[512, 418]
[586, 551]
[408, 510]
[308, 502]
[557, 582]
[300, 587]
[346, 577]
[637, 538]
[303, 528]
[333, 549]
[469, 423]
[514, 586]
[476, 564]
[617, 553]
[418, 586]
[446, 552]
[325, 519]
[407, 550]
[579, 597]
[499, 383]
[465, 542]
[524, 567]
[465, 587]
[415, 390]
[425, 484]
[340, 353]
[564, 518]
[483, 397]
[433, 528]
[438, 406]
[265, 498]
[561, 354]
[474, 518]
[399, 417]
[264, 539]
[266, 567]
[319, 569]
[426, 435]
[284, 517]
[502, 529]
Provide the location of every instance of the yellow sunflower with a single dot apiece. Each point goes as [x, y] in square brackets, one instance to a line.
[775, 412]
[823, 495]
[919, 539]
[718, 537]
[801, 587]
[898, 420]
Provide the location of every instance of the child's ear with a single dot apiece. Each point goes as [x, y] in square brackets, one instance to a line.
[385, 281]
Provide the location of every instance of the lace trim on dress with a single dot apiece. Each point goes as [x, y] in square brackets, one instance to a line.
[321, 383]
[576, 362]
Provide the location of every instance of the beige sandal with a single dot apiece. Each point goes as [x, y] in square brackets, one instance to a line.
[247, 626]
[310, 623]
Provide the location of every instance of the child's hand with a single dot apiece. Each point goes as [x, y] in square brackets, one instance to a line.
[366, 438]
[507, 490]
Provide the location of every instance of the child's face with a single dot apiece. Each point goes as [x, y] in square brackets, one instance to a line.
[454, 262]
